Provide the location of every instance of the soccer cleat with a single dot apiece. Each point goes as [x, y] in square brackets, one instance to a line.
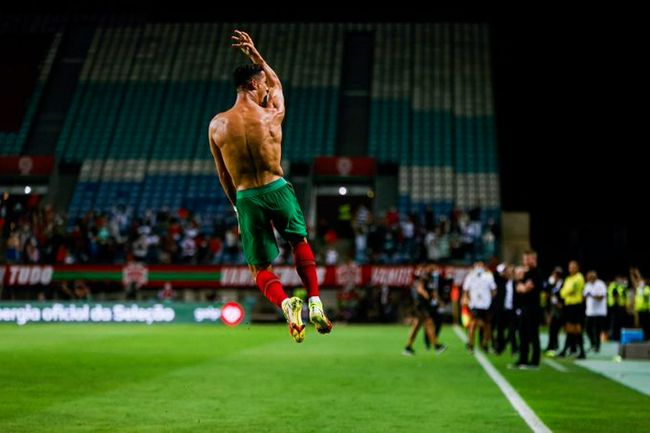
[292, 309]
[318, 318]
[408, 351]
[528, 367]
[440, 348]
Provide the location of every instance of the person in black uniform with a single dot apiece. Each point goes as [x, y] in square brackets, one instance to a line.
[423, 296]
[552, 287]
[504, 313]
[438, 286]
[529, 311]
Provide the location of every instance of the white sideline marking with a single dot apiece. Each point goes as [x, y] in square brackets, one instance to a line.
[555, 365]
[513, 396]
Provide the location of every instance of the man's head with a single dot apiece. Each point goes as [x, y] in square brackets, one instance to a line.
[530, 259]
[432, 268]
[573, 267]
[251, 78]
[520, 272]
[592, 276]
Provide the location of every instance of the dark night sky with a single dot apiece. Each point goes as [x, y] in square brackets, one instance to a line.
[566, 130]
[565, 84]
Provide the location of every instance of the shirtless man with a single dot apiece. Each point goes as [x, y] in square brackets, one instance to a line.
[246, 145]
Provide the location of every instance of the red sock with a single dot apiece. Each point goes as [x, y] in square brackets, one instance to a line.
[270, 286]
[306, 267]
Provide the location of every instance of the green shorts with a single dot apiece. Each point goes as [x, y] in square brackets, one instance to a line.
[260, 209]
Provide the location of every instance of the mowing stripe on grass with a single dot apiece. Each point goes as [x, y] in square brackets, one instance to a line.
[555, 365]
[513, 396]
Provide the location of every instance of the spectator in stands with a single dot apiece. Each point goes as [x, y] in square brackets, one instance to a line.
[431, 246]
[360, 227]
[390, 250]
[443, 242]
[231, 246]
[81, 291]
[488, 239]
[331, 255]
[595, 293]
[140, 248]
[407, 228]
[375, 241]
[573, 309]
[32, 254]
[12, 253]
[64, 292]
[167, 293]
[188, 249]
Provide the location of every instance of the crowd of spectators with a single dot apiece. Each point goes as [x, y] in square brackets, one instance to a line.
[33, 233]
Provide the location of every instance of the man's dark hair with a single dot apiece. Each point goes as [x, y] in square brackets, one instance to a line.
[244, 73]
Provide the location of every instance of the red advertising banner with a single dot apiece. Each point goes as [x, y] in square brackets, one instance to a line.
[26, 165]
[343, 166]
[212, 276]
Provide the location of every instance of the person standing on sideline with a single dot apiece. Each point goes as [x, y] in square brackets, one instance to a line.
[505, 316]
[641, 301]
[479, 288]
[595, 294]
[571, 293]
[528, 291]
[552, 287]
[616, 306]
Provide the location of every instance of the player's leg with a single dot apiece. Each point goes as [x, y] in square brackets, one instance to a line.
[306, 269]
[305, 265]
[487, 330]
[260, 249]
[271, 287]
[408, 350]
[580, 341]
[472, 328]
[268, 283]
[430, 329]
[568, 341]
[289, 220]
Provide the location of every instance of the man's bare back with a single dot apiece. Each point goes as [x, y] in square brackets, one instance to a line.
[246, 140]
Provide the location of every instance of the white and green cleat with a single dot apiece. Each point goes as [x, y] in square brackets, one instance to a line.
[292, 309]
[318, 318]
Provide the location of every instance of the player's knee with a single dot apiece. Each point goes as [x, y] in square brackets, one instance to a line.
[295, 240]
[256, 269]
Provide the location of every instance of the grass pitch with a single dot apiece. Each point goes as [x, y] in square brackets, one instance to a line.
[201, 378]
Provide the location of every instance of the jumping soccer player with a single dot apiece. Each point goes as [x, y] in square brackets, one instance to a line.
[246, 145]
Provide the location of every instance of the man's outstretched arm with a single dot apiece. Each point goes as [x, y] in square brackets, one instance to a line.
[245, 43]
